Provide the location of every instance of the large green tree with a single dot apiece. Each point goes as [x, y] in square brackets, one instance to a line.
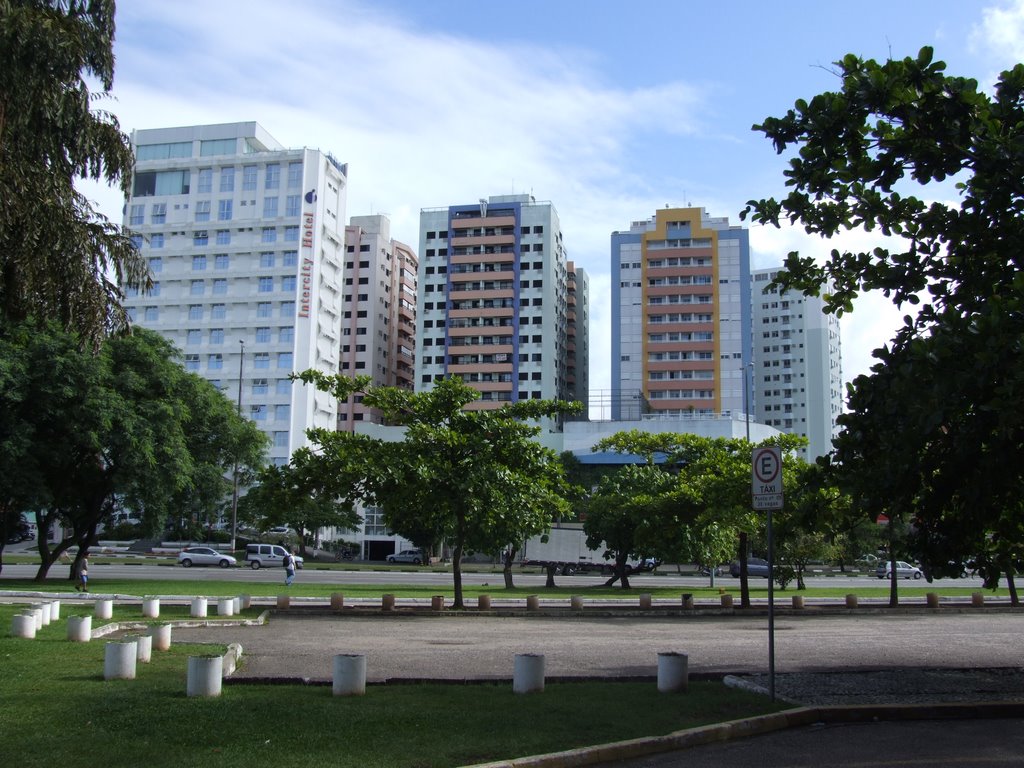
[476, 478]
[59, 259]
[933, 437]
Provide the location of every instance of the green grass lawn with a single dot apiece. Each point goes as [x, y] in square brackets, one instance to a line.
[56, 710]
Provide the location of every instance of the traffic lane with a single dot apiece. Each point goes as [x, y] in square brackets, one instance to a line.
[409, 575]
[480, 647]
[937, 744]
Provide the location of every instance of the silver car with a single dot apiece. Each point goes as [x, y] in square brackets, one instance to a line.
[204, 556]
[903, 570]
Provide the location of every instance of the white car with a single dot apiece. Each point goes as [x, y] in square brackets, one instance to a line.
[903, 570]
[204, 556]
[414, 556]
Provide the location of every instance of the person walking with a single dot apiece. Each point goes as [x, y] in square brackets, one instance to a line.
[83, 576]
[289, 568]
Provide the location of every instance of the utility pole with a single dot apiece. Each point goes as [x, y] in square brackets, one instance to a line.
[234, 492]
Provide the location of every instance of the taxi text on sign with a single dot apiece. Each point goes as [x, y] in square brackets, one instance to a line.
[766, 478]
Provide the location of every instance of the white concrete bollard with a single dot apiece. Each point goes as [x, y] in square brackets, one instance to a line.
[144, 648]
[23, 625]
[80, 629]
[245, 602]
[645, 601]
[673, 672]
[55, 610]
[437, 603]
[119, 660]
[37, 615]
[205, 676]
[151, 607]
[197, 610]
[851, 600]
[236, 605]
[349, 677]
[44, 609]
[528, 673]
[161, 634]
[532, 603]
[284, 602]
[576, 602]
[104, 609]
[483, 602]
[225, 606]
[798, 601]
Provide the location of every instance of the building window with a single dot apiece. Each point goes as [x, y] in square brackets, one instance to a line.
[282, 412]
[269, 207]
[215, 362]
[294, 175]
[280, 439]
[269, 235]
[259, 387]
[284, 360]
[286, 334]
[291, 234]
[283, 386]
[267, 259]
[288, 309]
[248, 178]
[198, 263]
[195, 312]
[156, 264]
[218, 311]
[266, 284]
[197, 288]
[220, 261]
[202, 210]
[223, 237]
[227, 179]
[258, 412]
[261, 360]
[273, 176]
[292, 205]
[158, 214]
[290, 258]
[216, 335]
[288, 283]
[156, 240]
[200, 238]
[137, 215]
[220, 286]
[263, 309]
[262, 335]
[205, 180]
[151, 314]
[193, 336]
[191, 362]
[224, 210]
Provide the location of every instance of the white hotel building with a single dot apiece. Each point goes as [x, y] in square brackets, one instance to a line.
[246, 241]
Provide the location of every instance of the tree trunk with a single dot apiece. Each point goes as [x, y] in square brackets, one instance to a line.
[551, 569]
[1011, 586]
[894, 593]
[800, 579]
[620, 568]
[457, 603]
[506, 569]
[744, 582]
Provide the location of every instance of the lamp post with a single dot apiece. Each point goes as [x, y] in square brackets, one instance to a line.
[234, 482]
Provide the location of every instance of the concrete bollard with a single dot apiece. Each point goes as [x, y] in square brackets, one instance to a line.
[798, 601]
[151, 607]
[197, 610]
[851, 600]
[727, 600]
[337, 601]
[978, 599]
[387, 602]
[119, 660]
[284, 602]
[349, 677]
[645, 602]
[44, 611]
[576, 602]
[23, 625]
[55, 610]
[483, 602]
[161, 634]
[205, 675]
[245, 602]
[144, 648]
[673, 672]
[528, 673]
[104, 609]
[37, 615]
[236, 605]
[932, 599]
[437, 603]
[225, 606]
[79, 629]
[532, 603]
[687, 600]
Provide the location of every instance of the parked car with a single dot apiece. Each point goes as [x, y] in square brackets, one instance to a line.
[756, 568]
[268, 555]
[204, 556]
[903, 571]
[281, 530]
[414, 556]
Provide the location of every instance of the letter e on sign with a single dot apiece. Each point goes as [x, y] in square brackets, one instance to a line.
[766, 478]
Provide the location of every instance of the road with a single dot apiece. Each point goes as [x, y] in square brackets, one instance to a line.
[407, 575]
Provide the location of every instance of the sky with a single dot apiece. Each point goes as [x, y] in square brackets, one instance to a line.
[607, 109]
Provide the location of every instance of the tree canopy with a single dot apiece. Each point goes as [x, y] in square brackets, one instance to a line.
[59, 259]
[933, 436]
[476, 478]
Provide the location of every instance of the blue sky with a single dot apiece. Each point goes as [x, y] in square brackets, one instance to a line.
[607, 109]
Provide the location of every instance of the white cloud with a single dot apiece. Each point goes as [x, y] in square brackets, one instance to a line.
[1000, 35]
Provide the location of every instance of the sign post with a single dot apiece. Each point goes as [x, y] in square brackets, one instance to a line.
[766, 494]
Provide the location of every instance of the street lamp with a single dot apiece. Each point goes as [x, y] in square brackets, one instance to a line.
[234, 492]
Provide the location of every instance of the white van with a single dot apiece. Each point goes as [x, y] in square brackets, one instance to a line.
[268, 556]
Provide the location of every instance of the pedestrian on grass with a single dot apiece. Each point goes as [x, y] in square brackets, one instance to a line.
[289, 568]
[83, 576]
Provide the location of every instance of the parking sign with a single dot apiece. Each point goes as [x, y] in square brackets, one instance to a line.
[766, 478]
